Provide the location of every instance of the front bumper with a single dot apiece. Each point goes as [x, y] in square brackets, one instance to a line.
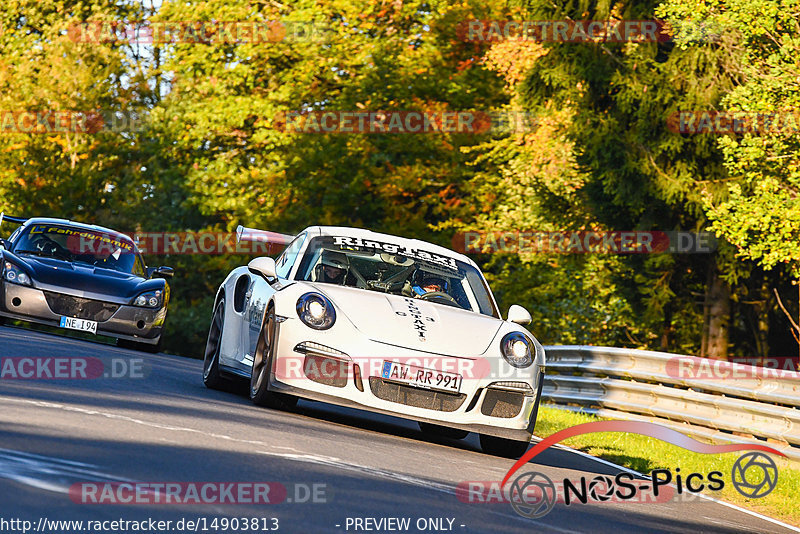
[487, 402]
[118, 320]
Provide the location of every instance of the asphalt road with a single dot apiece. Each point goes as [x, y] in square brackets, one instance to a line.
[166, 427]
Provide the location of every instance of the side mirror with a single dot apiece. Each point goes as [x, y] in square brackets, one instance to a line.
[518, 314]
[161, 272]
[5, 244]
[263, 266]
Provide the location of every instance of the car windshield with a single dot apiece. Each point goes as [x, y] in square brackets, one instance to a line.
[391, 268]
[77, 245]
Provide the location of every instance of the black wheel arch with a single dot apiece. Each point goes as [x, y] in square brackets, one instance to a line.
[239, 291]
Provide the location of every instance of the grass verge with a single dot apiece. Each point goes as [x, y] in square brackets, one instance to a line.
[644, 454]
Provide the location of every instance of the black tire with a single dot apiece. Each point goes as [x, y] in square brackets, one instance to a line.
[443, 431]
[136, 345]
[211, 374]
[503, 447]
[262, 365]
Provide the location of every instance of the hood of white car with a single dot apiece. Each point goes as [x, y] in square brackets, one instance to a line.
[414, 323]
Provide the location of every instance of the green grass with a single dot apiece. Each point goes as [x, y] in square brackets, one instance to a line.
[644, 454]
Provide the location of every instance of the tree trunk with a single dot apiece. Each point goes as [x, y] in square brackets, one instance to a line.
[761, 311]
[717, 312]
[667, 332]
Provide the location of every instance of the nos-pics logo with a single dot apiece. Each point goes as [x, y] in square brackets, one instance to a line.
[533, 494]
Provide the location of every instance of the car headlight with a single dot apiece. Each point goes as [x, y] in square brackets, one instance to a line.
[149, 299]
[316, 311]
[516, 349]
[15, 275]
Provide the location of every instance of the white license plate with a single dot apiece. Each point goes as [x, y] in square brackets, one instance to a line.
[81, 325]
[421, 377]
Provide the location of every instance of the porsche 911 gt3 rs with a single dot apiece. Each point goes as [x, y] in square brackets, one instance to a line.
[382, 323]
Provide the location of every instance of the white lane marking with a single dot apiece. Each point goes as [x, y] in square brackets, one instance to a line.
[410, 479]
[381, 473]
[48, 472]
[700, 495]
[335, 462]
[30, 455]
[308, 458]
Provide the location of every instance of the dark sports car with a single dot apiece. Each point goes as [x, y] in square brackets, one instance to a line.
[82, 277]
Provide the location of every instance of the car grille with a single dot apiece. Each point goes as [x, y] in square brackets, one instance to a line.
[499, 403]
[93, 310]
[416, 397]
[326, 371]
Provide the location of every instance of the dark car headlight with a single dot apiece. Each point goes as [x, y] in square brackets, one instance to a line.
[316, 311]
[517, 350]
[15, 275]
[149, 299]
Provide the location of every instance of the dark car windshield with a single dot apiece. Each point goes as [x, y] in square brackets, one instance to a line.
[391, 268]
[78, 245]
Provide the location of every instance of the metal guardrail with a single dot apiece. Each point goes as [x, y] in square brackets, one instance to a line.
[706, 398]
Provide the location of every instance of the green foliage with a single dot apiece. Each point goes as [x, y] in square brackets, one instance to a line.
[758, 211]
[228, 105]
[42, 69]
[573, 299]
[213, 151]
[604, 158]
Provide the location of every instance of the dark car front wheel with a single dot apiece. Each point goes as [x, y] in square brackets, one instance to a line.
[137, 345]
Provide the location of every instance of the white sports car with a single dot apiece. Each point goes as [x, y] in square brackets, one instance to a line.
[381, 323]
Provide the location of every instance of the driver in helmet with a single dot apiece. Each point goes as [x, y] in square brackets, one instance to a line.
[332, 268]
[430, 284]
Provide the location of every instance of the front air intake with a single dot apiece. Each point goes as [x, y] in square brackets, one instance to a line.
[416, 397]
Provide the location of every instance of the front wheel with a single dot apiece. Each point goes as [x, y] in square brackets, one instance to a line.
[443, 431]
[503, 447]
[262, 365]
[211, 375]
